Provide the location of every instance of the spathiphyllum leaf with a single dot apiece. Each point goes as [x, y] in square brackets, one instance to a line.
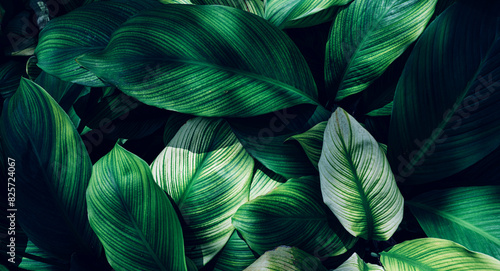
[252, 6]
[445, 115]
[469, 216]
[286, 258]
[207, 172]
[292, 214]
[37, 259]
[87, 29]
[206, 61]
[132, 216]
[355, 263]
[356, 181]
[236, 255]
[280, 12]
[366, 37]
[52, 170]
[312, 141]
[434, 254]
[264, 181]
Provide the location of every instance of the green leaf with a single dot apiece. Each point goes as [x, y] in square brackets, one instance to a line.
[264, 138]
[467, 215]
[10, 74]
[37, 259]
[435, 255]
[292, 215]
[132, 216]
[445, 108]
[253, 6]
[264, 181]
[312, 141]
[207, 173]
[205, 61]
[377, 34]
[356, 181]
[173, 124]
[286, 258]
[280, 12]
[384, 111]
[323, 16]
[53, 169]
[236, 255]
[87, 29]
[356, 263]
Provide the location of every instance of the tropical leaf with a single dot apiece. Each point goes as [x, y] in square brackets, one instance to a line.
[323, 16]
[264, 138]
[435, 255]
[10, 74]
[264, 181]
[356, 263]
[87, 29]
[205, 61]
[444, 116]
[356, 181]
[64, 93]
[236, 255]
[132, 216]
[253, 6]
[280, 12]
[292, 215]
[207, 173]
[286, 258]
[52, 172]
[466, 215]
[378, 33]
[173, 124]
[312, 141]
[386, 110]
[37, 259]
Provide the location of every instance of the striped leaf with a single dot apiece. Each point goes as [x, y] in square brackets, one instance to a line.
[87, 29]
[378, 32]
[292, 215]
[205, 61]
[37, 259]
[356, 181]
[286, 258]
[53, 170]
[434, 254]
[312, 141]
[469, 216]
[323, 16]
[236, 255]
[132, 216]
[207, 173]
[264, 181]
[445, 115]
[386, 110]
[281, 12]
[355, 263]
[253, 6]
[264, 138]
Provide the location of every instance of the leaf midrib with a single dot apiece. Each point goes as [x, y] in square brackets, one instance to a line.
[136, 225]
[357, 180]
[455, 219]
[255, 76]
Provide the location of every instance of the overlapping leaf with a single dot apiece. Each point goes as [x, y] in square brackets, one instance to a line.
[435, 255]
[469, 216]
[445, 109]
[207, 172]
[87, 29]
[366, 37]
[293, 215]
[132, 216]
[52, 172]
[37, 259]
[356, 263]
[356, 181]
[312, 141]
[236, 255]
[286, 258]
[264, 181]
[280, 12]
[206, 61]
[253, 6]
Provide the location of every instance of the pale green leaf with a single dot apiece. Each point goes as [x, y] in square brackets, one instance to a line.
[355, 263]
[286, 258]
